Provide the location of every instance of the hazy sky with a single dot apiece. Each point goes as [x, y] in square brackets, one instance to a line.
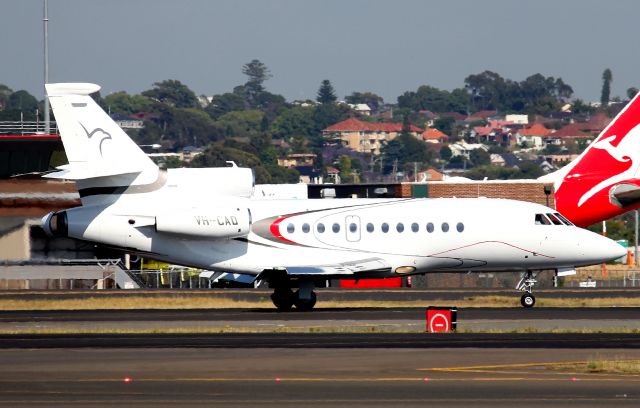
[387, 47]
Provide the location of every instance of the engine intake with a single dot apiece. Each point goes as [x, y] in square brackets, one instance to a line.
[56, 224]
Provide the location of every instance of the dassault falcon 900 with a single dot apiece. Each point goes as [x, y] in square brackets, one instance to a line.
[206, 218]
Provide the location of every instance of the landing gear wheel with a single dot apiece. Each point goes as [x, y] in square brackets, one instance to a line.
[528, 300]
[305, 305]
[283, 300]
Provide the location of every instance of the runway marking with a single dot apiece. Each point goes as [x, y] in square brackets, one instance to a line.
[504, 369]
[326, 380]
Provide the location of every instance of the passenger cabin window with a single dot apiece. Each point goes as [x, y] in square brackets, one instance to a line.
[370, 227]
[460, 227]
[384, 227]
[555, 219]
[430, 227]
[320, 228]
[290, 228]
[305, 228]
[335, 227]
[400, 227]
[445, 227]
[415, 227]
[541, 219]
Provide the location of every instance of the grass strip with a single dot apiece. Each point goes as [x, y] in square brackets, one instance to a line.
[128, 302]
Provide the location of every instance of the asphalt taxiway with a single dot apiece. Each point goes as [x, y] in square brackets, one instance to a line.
[315, 377]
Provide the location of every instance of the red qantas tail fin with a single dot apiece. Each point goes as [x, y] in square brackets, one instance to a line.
[604, 181]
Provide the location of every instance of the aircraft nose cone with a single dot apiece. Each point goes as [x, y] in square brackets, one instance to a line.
[606, 249]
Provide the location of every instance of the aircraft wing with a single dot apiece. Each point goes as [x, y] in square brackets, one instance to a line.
[346, 268]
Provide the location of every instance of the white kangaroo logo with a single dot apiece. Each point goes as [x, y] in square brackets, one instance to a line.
[627, 150]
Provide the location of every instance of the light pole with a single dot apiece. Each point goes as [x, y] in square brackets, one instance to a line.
[45, 22]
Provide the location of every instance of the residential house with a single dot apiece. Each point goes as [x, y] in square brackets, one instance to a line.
[464, 149]
[361, 108]
[429, 175]
[297, 160]
[567, 134]
[127, 121]
[497, 160]
[366, 137]
[481, 115]
[433, 135]
[533, 136]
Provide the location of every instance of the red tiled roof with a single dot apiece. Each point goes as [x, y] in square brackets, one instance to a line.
[455, 115]
[483, 130]
[433, 134]
[355, 125]
[572, 130]
[482, 115]
[535, 130]
[597, 122]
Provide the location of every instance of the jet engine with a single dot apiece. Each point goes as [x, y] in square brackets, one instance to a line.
[56, 224]
[229, 222]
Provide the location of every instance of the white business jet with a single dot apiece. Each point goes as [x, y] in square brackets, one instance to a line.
[206, 218]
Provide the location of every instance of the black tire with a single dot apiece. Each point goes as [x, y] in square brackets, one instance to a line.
[283, 300]
[305, 305]
[528, 300]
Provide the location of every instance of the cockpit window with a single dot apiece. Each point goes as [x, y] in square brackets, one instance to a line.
[563, 218]
[542, 220]
[555, 219]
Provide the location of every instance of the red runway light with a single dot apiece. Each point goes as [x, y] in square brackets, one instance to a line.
[127, 379]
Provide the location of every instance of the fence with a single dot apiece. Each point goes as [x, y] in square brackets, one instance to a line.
[26, 128]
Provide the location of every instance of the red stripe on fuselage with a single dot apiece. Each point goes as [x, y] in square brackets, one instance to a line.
[274, 228]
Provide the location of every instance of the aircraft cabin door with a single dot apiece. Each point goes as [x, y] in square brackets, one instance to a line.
[352, 226]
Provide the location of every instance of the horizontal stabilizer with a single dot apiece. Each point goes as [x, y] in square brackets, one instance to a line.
[346, 268]
[625, 195]
[85, 171]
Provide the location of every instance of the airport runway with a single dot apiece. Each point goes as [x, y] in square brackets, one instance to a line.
[409, 320]
[316, 377]
[270, 369]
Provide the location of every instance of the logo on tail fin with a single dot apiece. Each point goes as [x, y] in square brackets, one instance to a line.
[97, 131]
[627, 150]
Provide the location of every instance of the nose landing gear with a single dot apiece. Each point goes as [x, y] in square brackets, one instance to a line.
[526, 284]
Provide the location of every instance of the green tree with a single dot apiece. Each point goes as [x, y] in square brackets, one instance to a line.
[5, 93]
[326, 93]
[298, 120]
[445, 124]
[122, 102]
[257, 74]
[631, 92]
[372, 100]
[346, 171]
[225, 103]
[605, 94]
[173, 93]
[434, 99]
[22, 101]
[480, 157]
[241, 123]
[445, 153]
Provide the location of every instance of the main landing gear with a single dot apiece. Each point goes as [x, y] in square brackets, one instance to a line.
[526, 284]
[284, 298]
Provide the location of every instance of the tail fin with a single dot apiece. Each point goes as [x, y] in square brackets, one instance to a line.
[95, 145]
[604, 180]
